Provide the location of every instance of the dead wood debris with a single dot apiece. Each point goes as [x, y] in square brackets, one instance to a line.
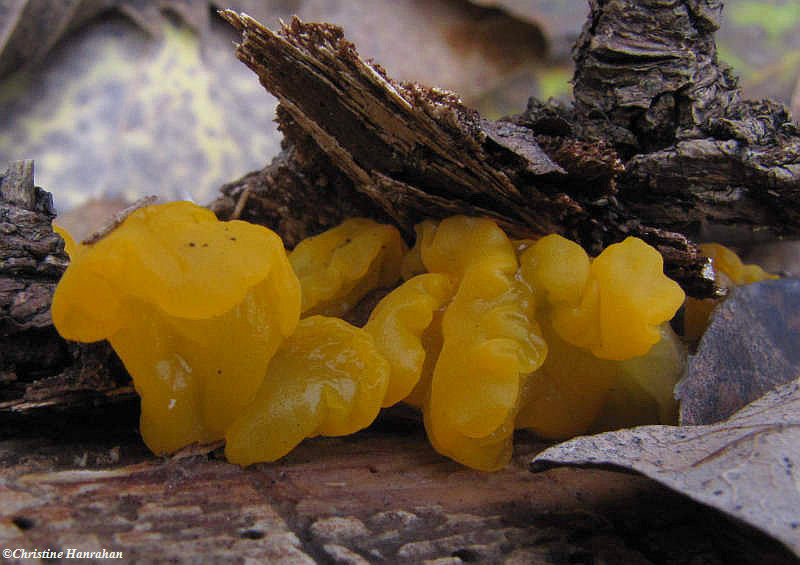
[38, 368]
[658, 143]
[383, 497]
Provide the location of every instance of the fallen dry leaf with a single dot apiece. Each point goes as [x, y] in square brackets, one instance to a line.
[749, 349]
[747, 466]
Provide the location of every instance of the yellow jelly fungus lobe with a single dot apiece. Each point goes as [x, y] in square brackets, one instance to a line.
[635, 298]
[490, 341]
[399, 323]
[194, 307]
[412, 262]
[337, 268]
[575, 392]
[604, 322]
[642, 390]
[727, 262]
[327, 378]
[566, 394]
[611, 305]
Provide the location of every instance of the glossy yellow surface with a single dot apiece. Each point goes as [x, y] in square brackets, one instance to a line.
[491, 341]
[328, 378]
[484, 336]
[727, 262]
[603, 321]
[337, 268]
[611, 305]
[196, 343]
[456, 244]
[576, 392]
[557, 269]
[487, 343]
[636, 297]
[412, 262]
[399, 324]
[643, 387]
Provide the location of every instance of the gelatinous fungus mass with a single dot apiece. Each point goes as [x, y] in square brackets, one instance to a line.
[326, 379]
[194, 307]
[485, 335]
[337, 268]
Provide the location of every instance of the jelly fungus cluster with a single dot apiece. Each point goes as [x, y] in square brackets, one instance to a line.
[228, 336]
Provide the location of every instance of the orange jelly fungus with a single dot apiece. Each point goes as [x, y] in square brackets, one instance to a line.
[485, 335]
[194, 307]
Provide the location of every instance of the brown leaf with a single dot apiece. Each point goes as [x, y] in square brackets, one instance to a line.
[750, 348]
[746, 466]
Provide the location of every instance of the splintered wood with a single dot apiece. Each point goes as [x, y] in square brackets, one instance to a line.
[414, 151]
[418, 152]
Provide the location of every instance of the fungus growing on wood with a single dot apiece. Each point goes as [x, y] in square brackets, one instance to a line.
[194, 307]
[328, 378]
[338, 267]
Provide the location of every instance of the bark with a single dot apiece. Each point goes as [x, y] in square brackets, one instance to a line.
[37, 367]
[658, 143]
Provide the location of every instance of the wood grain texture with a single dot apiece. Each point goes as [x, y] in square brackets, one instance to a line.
[380, 496]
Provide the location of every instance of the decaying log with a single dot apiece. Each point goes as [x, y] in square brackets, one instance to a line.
[382, 496]
[658, 143]
[37, 367]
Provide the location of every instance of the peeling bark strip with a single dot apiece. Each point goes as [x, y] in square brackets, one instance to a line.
[37, 367]
[414, 151]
